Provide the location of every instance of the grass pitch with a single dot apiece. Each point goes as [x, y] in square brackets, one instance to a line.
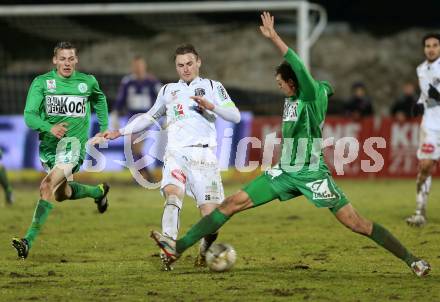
[287, 251]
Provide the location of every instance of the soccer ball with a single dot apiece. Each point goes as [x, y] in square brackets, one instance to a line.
[220, 257]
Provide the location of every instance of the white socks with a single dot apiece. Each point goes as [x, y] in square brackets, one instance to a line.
[422, 196]
[171, 216]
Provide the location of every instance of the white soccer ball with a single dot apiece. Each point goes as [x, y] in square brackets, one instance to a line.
[220, 257]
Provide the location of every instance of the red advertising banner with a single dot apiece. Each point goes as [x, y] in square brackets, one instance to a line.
[372, 147]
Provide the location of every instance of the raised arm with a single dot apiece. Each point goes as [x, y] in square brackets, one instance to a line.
[307, 85]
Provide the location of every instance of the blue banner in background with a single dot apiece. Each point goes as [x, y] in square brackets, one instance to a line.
[13, 141]
[20, 144]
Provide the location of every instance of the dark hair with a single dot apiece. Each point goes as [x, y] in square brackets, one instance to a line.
[184, 49]
[64, 45]
[286, 73]
[138, 57]
[357, 85]
[429, 36]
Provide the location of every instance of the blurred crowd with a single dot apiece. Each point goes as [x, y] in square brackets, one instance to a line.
[359, 104]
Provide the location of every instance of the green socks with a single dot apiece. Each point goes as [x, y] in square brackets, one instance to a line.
[4, 179]
[207, 225]
[81, 191]
[40, 215]
[384, 238]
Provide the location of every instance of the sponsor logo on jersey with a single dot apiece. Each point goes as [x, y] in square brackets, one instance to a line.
[199, 92]
[51, 85]
[178, 110]
[212, 192]
[174, 94]
[179, 175]
[321, 189]
[66, 105]
[223, 95]
[82, 87]
[428, 148]
[290, 113]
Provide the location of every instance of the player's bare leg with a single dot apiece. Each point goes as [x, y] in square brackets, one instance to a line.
[423, 187]
[349, 217]
[62, 192]
[48, 185]
[4, 182]
[73, 190]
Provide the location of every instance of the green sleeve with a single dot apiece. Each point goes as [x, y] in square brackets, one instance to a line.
[32, 114]
[99, 103]
[307, 85]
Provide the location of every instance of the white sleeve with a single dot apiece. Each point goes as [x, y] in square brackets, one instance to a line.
[221, 96]
[229, 113]
[145, 120]
[224, 106]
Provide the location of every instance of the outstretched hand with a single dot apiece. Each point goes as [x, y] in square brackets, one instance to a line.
[112, 134]
[97, 139]
[268, 31]
[203, 103]
[267, 28]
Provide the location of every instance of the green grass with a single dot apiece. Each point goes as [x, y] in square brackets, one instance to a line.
[287, 251]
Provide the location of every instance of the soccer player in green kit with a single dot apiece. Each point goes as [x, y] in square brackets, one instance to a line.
[302, 170]
[58, 107]
[4, 182]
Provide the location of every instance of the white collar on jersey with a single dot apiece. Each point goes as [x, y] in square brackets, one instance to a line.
[429, 64]
[195, 81]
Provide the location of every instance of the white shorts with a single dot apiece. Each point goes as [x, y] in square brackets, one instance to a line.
[429, 144]
[194, 170]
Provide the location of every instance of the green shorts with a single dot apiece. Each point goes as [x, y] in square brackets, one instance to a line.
[317, 186]
[68, 150]
[49, 160]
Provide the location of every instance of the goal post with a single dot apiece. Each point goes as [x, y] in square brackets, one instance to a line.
[305, 36]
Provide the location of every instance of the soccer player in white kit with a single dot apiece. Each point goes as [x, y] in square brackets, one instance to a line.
[191, 106]
[428, 152]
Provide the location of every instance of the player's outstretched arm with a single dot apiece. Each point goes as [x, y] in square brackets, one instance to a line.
[306, 82]
[141, 122]
[267, 30]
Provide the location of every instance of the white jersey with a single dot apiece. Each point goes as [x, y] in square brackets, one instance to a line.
[429, 73]
[185, 124]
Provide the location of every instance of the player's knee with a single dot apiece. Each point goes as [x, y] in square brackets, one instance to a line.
[45, 190]
[360, 227]
[173, 200]
[170, 190]
[234, 204]
[425, 168]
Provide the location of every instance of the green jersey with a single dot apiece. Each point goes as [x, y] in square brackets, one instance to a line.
[303, 119]
[53, 99]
